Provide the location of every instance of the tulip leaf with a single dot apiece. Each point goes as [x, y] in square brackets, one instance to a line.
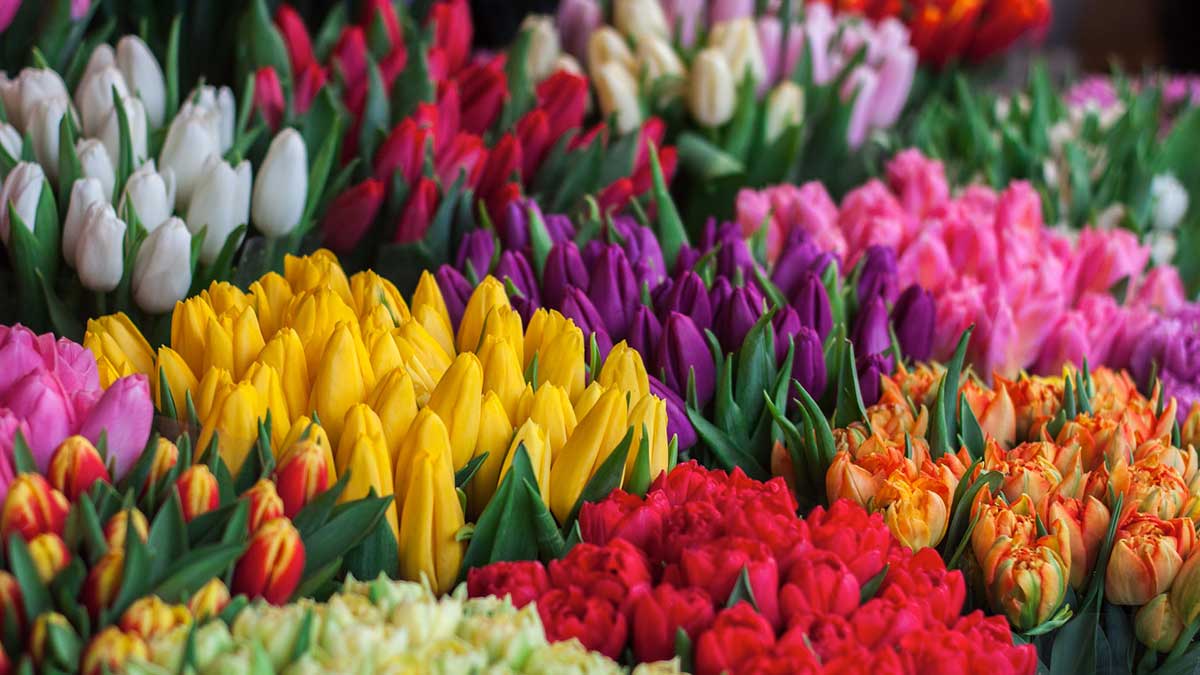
[207, 528]
[521, 97]
[26, 254]
[348, 525]
[739, 135]
[376, 111]
[971, 436]
[683, 650]
[501, 532]
[1074, 649]
[171, 69]
[414, 85]
[1094, 594]
[954, 368]
[189, 572]
[581, 175]
[91, 529]
[124, 159]
[316, 584]
[376, 554]
[318, 176]
[259, 43]
[960, 508]
[670, 231]
[65, 588]
[850, 406]
[235, 607]
[549, 537]
[22, 457]
[606, 478]
[168, 536]
[639, 478]
[871, 587]
[465, 474]
[726, 452]
[69, 168]
[756, 367]
[742, 591]
[704, 160]
[238, 525]
[303, 638]
[33, 592]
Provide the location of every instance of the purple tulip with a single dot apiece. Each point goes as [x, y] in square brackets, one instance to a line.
[688, 295]
[39, 399]
[682, 351]
[578, 307]
[645, 330]
[878, 276]
[686, 15]
[591, 251]
[913, 317]
[576, 20]
[734, 258]
[721, 289]
[559, 227]
[123, 414]
[564, 269]
[678, 424]
[642, 246]
[514, 227]
[514, 266]
[613, 290]
[786, 324]
[870, 333]
[456, 290]
[685, 260]
[799, 254]
[475, 253]
[808, 362]
[812, 304]
[736, 316]
[869, 371]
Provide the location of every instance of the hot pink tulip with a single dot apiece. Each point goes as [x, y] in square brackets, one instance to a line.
[871, 215]
[1162, 289]
[1066, 343]
[728, 10]
[124, 413]
[686, 14]
[8, 11]
[9, 424]
[1105, 257]
[779, 63]
[919, 182]
[40, 400]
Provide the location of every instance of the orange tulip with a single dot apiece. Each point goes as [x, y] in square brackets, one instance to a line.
[1027, 583]
[1086, 522]
[1147, 554]
[997, 518]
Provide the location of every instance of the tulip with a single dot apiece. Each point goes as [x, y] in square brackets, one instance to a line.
[11, 601]
[648, 417]
[110, 650]
[576, 20]
[150, 617]
[1086, 522]
[162, 270]
[351, 214]
[640, 19]
[484, 87]
[738, 41]
[301, 476]
[431, 515]
[683, 354]
[1185, 596]
[661, 65]
[811, 302]
[268, 96]
[75, 466]
[150, 194]
[1158, 624]
[1147, 555]
[10, 140]
[623, 370]
[536, 442]
[193, 137]
[135, 117]
[198, 491]
[596, 436]
[558, 344]
[100, 248]
[104, 581]
[116, 338]
[33, 507]
[50, 555]
[31, 86]
[543, 46]
[94, 97]
[476, 252]
[84, 192]
[265, 504]
[45, 625]
[209, 601]
[116, 530]
[514, 268]
[272, 564]
[564, 269]
[123, 414]
[144, 76]
[488, 295]
[282, 186]
[417, 212]
[1028, 582]
[456, 399]
[95, 163]
[342, 380]
[912, 317]
[604, 46]
[220, 202]
[711, 89]
[363, 452]
[618, 94]
[41, 400]
[785, 110]
[736, 316]
[21, 192]
[688, 295]
[219, 105]
[917, 517]
[43, 130]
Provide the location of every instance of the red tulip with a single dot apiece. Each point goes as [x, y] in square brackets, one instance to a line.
[616, 195]
[448, 121]
[33, 507]
[533, 130]
[1004, 23]
[272, 564]
[198, 491]
[422, 200]
[268, 96]
[350, 57]
[210, 600]
[301, 476]
[563, 96]
[351, 214]
[466, 153]
[942, 29]
[295, 38]
[309, 82]
[403, 150]
[116, 530]
[453, 31]
[75, 465]
[503, 161]
[483, 87]
[384, 11]
[658, 615]
[598, 131]
[149, 617]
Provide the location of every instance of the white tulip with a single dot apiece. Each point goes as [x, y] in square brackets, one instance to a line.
[110, 133]
[96, 163]
[191, 139]
[22, 189]
[84, 193]
[100, 251]
[43, 131]
[738, 40]
[102, 57]
[711, 91]
[221, 203]
[144, 76]
[94, 98]
[1170, 199]
[605, 45]
[282, 186]
[151, 195]
[221, 103]
[32, 85]
[785, 109]
[10, 140]
[661, 67]
[641, 18]
[162, 270]
[544, 46]
[618, 93]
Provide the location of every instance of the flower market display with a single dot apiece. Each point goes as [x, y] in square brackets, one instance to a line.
[658, 337]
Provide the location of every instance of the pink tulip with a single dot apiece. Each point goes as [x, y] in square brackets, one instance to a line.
[1066, 343]
[819, 30]
[124, 413]
[686, 14]
[1162, 289]
[779, 64]
[927, 263]
[75, 366]
[19, 356]
[1105, 257]
[871, 215]
[728, 10]
[39, 399]
[8, 11]
[919, 182]
[22, 351]
[860, 88]
[811, 209]
[79, 8]
[1103, 317]
[9, 424]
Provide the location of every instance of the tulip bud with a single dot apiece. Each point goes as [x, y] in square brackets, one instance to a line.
[641, 19]
[150, 194]
[683, 353]
[220, 202]
[658, 61]
[711, 90]
[1026, 582]
[913, 318]
[811, 302]
[1147, 554]
[221, 106]
[11, 602]
[432, 517]
[456, 400]
[543, 46]
[50, 555]
[490, 293]
[342, 380]
[623, 370]
[95, 163]
[150, 617]
[272, 564]
[10, 140]
[265, 504]
[209, 601]
[282, 186]
[135, 118]
[268, 96]
[31, 86]
[100, 251]
[495, 434]
[599, 431]
[75, 465]
[43, 626]
[166, 456]
[32, 507]
[1158, 625]
[738, 41]
[144, 76]
[301, 476]
[198, 491]
[117, 528]
[22, 190]
[43, 130]
[537, 445]
[104, 581]
[192, 138]
[111, 650]
[607, 46]
[162, 271]
[648, 417]
[785, 109]
[618, 93]
[84, 193]
[94, 98]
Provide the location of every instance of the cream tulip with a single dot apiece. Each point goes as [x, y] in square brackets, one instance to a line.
[618, 93]
[711, 90]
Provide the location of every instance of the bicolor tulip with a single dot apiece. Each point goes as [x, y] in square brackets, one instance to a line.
[272, 564]
[301, 475]
[150, 617]
[75, 465]
[104, 581]
[50, 555]
[209, 601]
[110, 650]
[198, 493]
[1027, 582]
[33, 507]
[116, 530]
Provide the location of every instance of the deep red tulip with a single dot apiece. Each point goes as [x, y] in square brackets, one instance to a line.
[295, 38]
[351, 214]
[563, 96]
[422, 201]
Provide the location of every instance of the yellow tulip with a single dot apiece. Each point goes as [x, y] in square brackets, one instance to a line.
[271, 295]
[596, 436]
[431, 519]
[495, 433]
[377, 320]
[305, 431]
[502, 373]
[504, 322]
[543, 327]
[340, 381]
[384, 354]
[427, 433]
[218, 346]
[234, 418]
[551, 409]
[428, 296]
[314, 315]
[917, 517]
[248, 341]
[267, 383]
[370, 291]
[649, 415]
[488, 294]
[115, 338]
[189, 326]
[456, 399]
[211, 385]
[179, 377]
[394, 400]
[537, 445]
[424, 358]
[561, 362]
[285, 353]
[225, 298]
[588, 399]
[438, 327]
[109, 373]
[623, 368]
[319, 270]
[363, 452]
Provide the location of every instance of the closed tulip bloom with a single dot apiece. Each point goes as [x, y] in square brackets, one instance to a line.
[551, 408]
[1027, 583]
[100, 250]
[21, 192]
[913, 319]
[1158, 624]
[564, 269]
[641, 19]
[144, 76]
[738, 41]
[192, 138]
[624, 370]
[495, 434]
[490, 293]
[595, 437]
[103, 581]
[116, 530]
[785, 109]
[711, 89]
[683, 353]
[32, 507]
[135, 117]
[162, 270]
[149, 617]
[151, 194]
[75, 465]
[395, 399]
[234, 419]
[689, 295]
[456, 399]
[617, 91]
[84, 193]
[648, 417]
[916, 516]
[31, 86]
[428, 307]
[166, 456]
[342, 380]
[661, 67]
[50, 555]
[502, 372]
[110, 650]
[305, 430]
[11, 599]
[537, 445]
[43, 130]
[544, 49]
[282, 186]
[561, 360]
[811, 302]
[94, 162]
[220, 202]
[273, 563]
[1086, 522]
[300, 476]
[10, 139]
[314, 315]
[94, 97]
[605, 45]
[363, 453]
[198, 493]
[370, 290]
[431, 520]
[266, 382]
[209, 601]
[123, 416]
